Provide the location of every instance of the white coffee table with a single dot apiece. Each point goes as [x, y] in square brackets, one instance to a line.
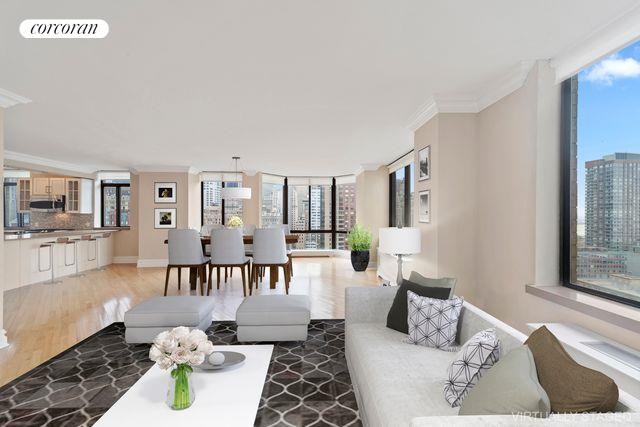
[229, 397]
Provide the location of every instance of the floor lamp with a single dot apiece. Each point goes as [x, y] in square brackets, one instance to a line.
[400, 241]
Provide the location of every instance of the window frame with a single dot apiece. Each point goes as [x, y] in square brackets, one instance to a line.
[568, 163]
[333, 231]
[222, 204]
[408, 177]
[118, 186]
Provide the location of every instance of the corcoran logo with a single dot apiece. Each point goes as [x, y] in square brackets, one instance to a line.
[64, 29]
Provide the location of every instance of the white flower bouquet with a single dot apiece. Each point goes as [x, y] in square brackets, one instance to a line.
[180, 349]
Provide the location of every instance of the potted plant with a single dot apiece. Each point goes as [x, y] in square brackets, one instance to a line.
[359, 240]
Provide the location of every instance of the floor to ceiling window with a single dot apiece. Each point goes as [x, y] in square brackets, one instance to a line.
[215, 209]
[601, 178]
[345, 209]
[321, 211]
[401, 192]
[272, 203]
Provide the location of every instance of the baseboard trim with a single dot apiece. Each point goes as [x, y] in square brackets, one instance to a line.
[148, 263]
[3, 339]
[125, 259]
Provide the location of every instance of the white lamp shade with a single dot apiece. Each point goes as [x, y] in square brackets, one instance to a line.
[400, 241]
[236, 193]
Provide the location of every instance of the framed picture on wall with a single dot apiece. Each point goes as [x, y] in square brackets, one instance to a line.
[165, 192]
[425, 206]
[165, 218]
[424, 157]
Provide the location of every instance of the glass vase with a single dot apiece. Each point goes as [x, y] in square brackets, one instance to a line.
[180, 394]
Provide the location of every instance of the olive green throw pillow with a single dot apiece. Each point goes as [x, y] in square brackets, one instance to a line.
[399, 312]
[509, 387]
[571, 387]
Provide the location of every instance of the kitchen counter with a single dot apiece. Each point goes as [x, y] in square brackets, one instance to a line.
[26, 234]
[29, 258]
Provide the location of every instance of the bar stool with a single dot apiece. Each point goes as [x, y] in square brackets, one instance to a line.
[99, 237]
[89, 238]
[74, 242]
[51, 246]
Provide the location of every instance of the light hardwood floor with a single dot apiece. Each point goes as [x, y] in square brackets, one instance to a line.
[43, 319]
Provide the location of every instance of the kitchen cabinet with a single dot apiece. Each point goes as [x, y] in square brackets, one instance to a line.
[27, 261]
[79, 194]
[24, 195]
[57, 186]
[41, 186]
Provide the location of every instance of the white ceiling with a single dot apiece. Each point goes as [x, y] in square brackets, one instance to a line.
[298, 87]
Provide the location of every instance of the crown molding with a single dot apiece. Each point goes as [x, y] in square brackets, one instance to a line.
[472, 102]
[44, 164]
[9, 99]
[367, 167]
[165, 169]
[608, 38]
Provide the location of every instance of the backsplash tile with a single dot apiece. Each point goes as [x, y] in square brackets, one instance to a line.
[61, 220]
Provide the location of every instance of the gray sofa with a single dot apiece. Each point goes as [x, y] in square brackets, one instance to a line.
[399, 384]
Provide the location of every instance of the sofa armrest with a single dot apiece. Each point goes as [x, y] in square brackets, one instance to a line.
[368, 305]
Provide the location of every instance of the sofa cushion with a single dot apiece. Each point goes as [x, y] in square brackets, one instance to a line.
[571, 387]
[510, 387]
[433, 322]
[170, 312]
[477, 355]
[395, 381]
[444, 282]
[274, 310]
[397, 317]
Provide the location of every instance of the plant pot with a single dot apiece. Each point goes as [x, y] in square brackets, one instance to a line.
[360, 260]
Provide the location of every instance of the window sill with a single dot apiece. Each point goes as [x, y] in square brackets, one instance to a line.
[610, 311]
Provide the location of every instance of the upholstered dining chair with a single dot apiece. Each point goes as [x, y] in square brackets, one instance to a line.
[185, 251]
[286, 228]
[205, 230]
[269, 250]
[227, 250]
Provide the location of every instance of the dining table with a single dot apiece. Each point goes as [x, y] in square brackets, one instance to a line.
[289, 239]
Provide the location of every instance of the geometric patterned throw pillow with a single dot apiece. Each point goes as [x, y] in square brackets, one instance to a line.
[433, 322]
[477, 355]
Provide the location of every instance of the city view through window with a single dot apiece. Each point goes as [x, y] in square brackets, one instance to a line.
[606, 134]
[309, 210]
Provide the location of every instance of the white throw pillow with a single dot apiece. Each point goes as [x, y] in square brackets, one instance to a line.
[433, 322]
[477, 355]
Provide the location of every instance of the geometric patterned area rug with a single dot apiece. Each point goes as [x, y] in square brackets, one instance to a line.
[307, 384]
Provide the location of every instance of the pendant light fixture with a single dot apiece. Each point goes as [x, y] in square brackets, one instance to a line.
[236, 192]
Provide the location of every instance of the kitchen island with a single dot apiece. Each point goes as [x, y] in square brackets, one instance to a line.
[27, 256]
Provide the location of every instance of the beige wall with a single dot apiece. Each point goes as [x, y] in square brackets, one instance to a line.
[251, 207]
[151, 245]
[518, 208]
[495, 206]
[125, 242]
[372, 195]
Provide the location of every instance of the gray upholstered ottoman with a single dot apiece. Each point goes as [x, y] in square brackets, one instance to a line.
[273, 318]
[147, 319]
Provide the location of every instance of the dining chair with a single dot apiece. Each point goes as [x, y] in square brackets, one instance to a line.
[205, 230]
[227, 250]
[269, 250]
[286, 228]
[185, 251]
